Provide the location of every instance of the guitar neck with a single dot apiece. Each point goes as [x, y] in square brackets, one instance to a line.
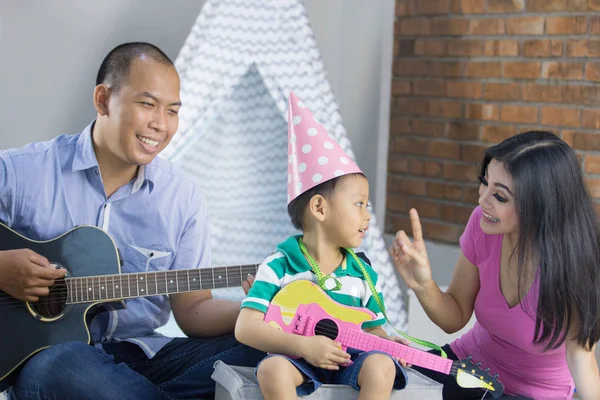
[125, 286]
[360, 340]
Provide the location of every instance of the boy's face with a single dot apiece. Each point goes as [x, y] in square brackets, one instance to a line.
[144, 113]
[348, 217]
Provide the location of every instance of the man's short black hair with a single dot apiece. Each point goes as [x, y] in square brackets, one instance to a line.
[297, 207]
[115, 66]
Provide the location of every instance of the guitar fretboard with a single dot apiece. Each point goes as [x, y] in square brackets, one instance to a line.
[367, 342]
[123, 286]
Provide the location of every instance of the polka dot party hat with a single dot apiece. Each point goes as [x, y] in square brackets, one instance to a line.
[313, 156]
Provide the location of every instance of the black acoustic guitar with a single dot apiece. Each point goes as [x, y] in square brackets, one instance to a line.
[93, 284]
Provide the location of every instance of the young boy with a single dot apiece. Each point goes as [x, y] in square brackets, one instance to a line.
[327, 200]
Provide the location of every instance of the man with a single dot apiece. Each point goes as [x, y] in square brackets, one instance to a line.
[109, 176]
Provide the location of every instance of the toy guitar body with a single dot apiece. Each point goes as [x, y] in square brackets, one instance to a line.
[302, 308]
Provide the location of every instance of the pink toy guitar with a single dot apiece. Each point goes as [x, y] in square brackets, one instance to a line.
[301, 307]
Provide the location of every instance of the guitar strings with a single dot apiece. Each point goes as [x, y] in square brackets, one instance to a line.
[454, 368]
[10, 302]
[421, 355]
[102, 281]
[79, 289]
[155, 277]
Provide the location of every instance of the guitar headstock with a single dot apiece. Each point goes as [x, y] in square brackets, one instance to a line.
[470, 375]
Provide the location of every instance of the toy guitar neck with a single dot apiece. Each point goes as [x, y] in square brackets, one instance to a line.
[301, 307]
[366, 342]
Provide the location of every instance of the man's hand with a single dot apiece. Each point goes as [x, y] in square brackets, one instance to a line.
[247, 284]
[27, 275]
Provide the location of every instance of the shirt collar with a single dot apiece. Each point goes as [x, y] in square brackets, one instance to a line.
[291, 249]
[85, 158]
[145, 173]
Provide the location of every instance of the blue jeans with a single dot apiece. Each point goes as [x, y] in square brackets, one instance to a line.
[452, 390]
[315, 377]
[181, 369]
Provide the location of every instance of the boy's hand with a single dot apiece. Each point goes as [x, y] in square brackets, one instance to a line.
[323, 352]
[405, 342]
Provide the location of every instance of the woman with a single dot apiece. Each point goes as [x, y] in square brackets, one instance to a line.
[528, 267]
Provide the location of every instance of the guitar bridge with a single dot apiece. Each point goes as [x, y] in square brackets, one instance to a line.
[302, 323]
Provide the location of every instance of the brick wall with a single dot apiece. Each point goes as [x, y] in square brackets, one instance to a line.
[469, 73]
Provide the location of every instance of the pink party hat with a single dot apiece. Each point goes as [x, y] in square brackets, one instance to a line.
[313, 156]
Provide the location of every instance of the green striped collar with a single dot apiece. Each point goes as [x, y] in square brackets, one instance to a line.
[291, 249]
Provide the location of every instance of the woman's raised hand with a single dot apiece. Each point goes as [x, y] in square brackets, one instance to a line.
[411, 258]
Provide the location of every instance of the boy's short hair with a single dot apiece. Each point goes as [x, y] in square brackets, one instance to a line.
[297, 207]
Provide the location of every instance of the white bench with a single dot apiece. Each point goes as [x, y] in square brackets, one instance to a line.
[239, 383]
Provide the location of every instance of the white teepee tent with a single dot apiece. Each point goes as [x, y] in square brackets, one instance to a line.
[237, 68]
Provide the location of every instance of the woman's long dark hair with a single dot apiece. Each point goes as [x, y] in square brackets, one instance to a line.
[559, 233]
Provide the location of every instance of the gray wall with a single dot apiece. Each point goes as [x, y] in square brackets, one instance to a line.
[356, 44]
[50, 52]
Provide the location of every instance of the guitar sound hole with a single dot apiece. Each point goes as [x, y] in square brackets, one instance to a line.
[52, 305]
[327, 327]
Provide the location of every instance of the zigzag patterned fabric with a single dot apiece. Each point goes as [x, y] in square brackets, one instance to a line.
[237, 66]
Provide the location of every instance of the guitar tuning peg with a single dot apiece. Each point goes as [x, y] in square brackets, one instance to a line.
[496, 376]
[487, 370]
[478, 363]
[469, 358]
